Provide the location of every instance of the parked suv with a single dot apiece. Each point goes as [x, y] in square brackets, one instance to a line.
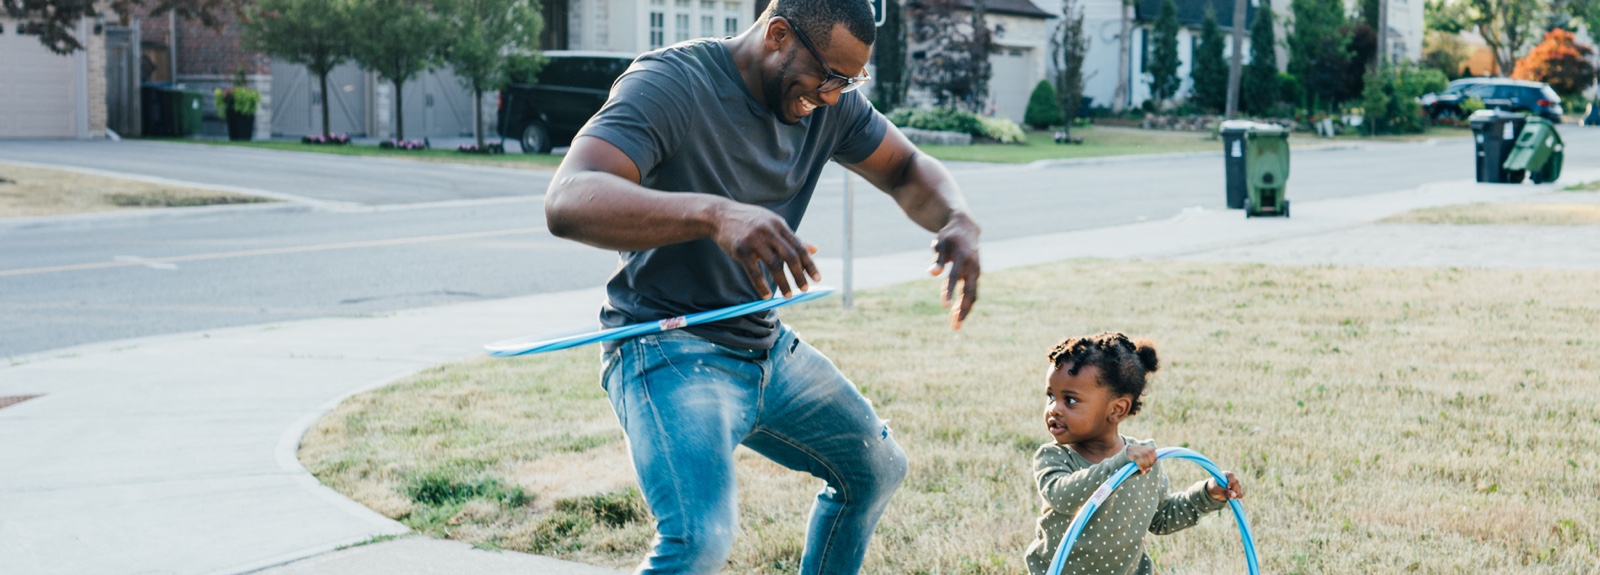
[569, 89]
[1501, 94]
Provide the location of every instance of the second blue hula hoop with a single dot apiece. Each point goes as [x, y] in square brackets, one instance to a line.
[553, 342]
[1100, 495]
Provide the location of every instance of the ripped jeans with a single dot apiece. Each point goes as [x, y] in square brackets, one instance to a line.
[685, 403]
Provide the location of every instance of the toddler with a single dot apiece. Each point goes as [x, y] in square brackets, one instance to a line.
[1092, 385]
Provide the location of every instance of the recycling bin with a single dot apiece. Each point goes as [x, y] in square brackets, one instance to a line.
[1494, 134]
[1537, 152]
[1233, 145]
[1266, 155]
[170, 111]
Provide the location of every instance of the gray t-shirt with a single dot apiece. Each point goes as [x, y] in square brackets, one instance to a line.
[686, 118]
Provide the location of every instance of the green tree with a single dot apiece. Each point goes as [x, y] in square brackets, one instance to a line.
[1068, 46]
[1507, 26]
[1209, 69]
[890, 79]
[1260, 87]
[1164, 62]
[313, 33]
[397, 39]
[1044, 108]
[1448, 16]
[486, 38]
[1319, 51]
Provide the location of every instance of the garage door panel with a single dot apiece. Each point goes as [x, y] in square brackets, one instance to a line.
[38, 91]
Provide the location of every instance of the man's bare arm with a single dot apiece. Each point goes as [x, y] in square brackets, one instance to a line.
[595, 198]
[928, 194]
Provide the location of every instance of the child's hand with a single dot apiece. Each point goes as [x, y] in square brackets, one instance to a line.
[1144, 456]
[1234, 490]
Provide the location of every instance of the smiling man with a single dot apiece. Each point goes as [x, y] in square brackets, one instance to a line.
[698, 170]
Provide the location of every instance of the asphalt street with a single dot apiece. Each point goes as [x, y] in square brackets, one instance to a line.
[410, 234]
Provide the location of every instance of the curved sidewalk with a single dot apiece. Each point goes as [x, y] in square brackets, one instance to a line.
[176, 454]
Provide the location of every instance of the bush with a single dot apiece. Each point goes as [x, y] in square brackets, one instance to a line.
[1390, 94]
[1002, 130]
[1044, 108]
[241, 100]
[939, 119]
[1470, 105]
[1560, 62]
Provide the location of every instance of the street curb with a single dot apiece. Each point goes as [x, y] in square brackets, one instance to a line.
[151, 214]
[385, 159]
[181, 183]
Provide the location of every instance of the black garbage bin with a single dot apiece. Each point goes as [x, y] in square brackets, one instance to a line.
[1494, 135]
[1233, 144]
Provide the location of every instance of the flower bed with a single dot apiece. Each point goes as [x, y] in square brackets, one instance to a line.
[394, 144]
[490, 148]
[329, 140]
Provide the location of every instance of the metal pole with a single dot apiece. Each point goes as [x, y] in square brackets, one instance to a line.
[849, 238]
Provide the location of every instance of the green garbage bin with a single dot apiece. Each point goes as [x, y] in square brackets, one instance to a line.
[188, 112]
[1538, 151]
[1266, 165]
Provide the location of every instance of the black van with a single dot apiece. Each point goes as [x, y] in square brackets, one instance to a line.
[571, 87]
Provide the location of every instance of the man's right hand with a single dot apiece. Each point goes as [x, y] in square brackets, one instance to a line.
[761, 241]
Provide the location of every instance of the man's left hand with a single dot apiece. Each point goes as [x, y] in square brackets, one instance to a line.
[957, 247]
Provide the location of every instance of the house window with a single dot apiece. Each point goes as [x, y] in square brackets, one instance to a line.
[708, 5]
[708, 26]
[730, 26]
[730, 6]
[680, 27]
[681, 3]
[658, 33]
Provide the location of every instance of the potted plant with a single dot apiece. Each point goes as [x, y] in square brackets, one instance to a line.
[238, 105]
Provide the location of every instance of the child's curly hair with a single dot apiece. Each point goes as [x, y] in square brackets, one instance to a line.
[1123, 362]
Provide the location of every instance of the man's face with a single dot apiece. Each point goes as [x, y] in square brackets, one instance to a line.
[792, 91]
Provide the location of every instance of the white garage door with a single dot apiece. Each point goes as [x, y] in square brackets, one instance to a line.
[38, 89]
[1011, 82]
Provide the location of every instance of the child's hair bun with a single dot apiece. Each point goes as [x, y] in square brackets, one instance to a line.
[1147, 355]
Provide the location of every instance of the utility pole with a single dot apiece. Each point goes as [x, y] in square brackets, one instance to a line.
[1383, 33]
[1235, 64]
[849, 238]
[1124, 58]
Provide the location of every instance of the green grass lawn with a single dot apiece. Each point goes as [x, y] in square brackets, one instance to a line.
[1429, 421]
[1103, 141]
[544, 162]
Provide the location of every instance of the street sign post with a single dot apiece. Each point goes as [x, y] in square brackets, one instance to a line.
[877, 11]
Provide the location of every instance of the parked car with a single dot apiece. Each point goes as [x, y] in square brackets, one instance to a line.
[1497, 94]
[568, 90]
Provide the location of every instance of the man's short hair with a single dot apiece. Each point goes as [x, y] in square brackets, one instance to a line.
[817, 17]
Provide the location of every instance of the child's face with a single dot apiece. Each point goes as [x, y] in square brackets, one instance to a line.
[1078, 408]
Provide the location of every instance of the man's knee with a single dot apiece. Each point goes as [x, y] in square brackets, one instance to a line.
[702, 548]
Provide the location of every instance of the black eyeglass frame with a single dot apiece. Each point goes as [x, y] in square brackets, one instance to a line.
[833, 80]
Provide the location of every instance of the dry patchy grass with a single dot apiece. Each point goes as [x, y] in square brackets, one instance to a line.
[29, 191]
[1503, 214]
[1427, 421]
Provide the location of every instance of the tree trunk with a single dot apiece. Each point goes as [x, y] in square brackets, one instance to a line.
[323, 80]
[1235, 64]
[477, 116]
[399, 112]
[1124, 49]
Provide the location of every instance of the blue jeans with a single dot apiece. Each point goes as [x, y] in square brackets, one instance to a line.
[685, 403]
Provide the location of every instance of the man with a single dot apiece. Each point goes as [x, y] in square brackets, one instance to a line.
[698, 169]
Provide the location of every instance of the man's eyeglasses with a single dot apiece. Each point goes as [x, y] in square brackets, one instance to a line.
[833, 80]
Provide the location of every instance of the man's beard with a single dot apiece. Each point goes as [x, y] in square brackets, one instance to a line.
[772, 89]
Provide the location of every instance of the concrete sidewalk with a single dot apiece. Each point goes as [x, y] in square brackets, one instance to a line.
[176, 454]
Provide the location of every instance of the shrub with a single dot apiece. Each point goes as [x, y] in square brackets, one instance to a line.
[241, 100]
[1390, 97]
[1558, 61]
[1044, 108]
[1470, 105]
[1002, 130]
[939, 119]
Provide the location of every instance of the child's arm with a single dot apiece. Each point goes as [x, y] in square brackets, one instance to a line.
[1066, 488]
[1181, 511]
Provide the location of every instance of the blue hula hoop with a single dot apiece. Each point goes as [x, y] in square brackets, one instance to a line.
[1100, 495]
[559, 341]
